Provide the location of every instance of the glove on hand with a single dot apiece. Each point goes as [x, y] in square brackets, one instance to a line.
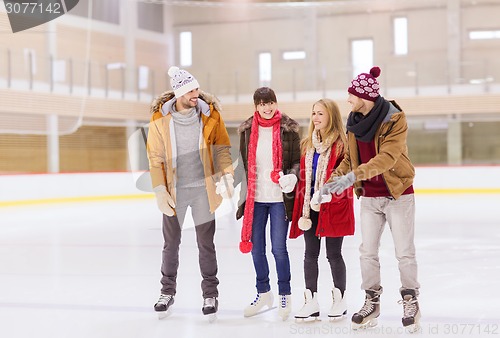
[287, 182]
[225, 187]
[164, 200]
[317, 199]
[339, 184]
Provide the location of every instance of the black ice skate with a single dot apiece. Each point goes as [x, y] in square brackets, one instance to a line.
[411, 310]
[162, 306]
[367, 316]
[210, 307]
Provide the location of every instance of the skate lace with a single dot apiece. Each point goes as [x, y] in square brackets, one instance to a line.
[165, 299]
[256, 300]
[209, 302]
[368, 307]
[410, 306]
[283, 301]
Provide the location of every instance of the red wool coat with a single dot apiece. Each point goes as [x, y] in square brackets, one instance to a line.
[336, 218]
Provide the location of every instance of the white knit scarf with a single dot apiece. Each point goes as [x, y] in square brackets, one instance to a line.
[324, 149]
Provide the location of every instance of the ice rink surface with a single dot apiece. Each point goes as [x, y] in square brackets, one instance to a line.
[91, 270]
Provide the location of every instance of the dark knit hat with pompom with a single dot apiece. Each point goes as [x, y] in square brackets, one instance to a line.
[365, 85]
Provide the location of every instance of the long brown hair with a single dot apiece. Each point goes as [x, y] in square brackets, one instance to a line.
[335, 124]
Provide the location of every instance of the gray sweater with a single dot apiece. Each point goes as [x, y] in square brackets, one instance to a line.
[187, 126]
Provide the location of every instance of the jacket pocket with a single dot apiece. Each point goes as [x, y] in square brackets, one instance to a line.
[403, 168]
[338, 210]
[339, 218]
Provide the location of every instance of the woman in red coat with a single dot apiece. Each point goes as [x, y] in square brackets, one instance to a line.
[330, 216]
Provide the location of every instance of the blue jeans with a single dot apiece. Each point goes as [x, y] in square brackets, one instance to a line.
[279, 232]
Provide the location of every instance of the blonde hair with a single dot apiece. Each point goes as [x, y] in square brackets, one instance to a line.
[335, 125]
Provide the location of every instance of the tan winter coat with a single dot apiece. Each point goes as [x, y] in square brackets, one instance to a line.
[391, 161]
[214, 147]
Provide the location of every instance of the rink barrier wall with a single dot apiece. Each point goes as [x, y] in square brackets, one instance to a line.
[19, 190]
[22, 190]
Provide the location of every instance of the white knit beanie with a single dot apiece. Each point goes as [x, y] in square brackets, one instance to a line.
[181, 81]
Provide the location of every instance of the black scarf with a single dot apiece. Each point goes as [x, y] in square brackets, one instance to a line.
[365, 126]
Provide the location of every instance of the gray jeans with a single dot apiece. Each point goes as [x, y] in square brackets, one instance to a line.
[400, 215]
[205, 230]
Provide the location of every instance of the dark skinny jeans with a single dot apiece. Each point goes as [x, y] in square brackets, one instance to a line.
[333, 254]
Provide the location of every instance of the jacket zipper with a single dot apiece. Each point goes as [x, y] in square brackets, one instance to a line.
[376, 150]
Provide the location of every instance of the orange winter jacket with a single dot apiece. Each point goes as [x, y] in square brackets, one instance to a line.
[214, 147]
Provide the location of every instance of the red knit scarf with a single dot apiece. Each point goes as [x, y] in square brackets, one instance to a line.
[246, 230]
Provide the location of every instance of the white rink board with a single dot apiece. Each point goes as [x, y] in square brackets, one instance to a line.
[50, 186]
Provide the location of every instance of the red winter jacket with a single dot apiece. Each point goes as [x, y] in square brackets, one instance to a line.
[336, 218]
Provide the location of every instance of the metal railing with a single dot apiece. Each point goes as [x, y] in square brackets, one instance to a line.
[24, 70]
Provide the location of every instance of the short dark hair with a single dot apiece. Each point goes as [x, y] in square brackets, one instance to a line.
[264, 95]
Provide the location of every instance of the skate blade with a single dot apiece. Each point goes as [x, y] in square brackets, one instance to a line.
[164, 314]
[366, 325]
[413, 328]
[284, 317]
[310, 319]
[212, 317]
[336, 318]
[260, 312]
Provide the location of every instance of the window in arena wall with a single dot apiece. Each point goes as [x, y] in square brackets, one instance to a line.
[400, 36]
[361, 56]
[186, 49]
[484, 34]
[265, 70]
